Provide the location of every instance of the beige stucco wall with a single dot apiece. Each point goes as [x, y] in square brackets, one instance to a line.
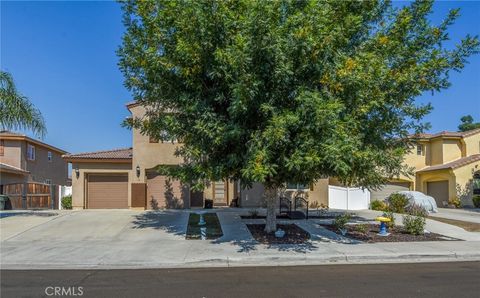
[472, 145]
[417, 161]
[452, 149]
[79, 184]
[463, 182]
[254, 196]
[147, 155]
[12, 153]
[436, 152]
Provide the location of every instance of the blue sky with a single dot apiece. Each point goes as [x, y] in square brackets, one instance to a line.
[62, 56]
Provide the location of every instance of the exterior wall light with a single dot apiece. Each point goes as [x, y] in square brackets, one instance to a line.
[77, 172]
[138, 171]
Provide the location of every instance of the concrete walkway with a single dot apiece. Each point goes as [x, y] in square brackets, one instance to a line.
[156, 239]
[469, 215]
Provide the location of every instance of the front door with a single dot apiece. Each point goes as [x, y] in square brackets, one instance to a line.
[220, 193]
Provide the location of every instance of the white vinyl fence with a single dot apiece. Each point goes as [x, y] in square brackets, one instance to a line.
[63, 191]
[348, 198]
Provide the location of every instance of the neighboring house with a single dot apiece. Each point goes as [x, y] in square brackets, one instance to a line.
[126, 178]
[23, 159]
[447, 166]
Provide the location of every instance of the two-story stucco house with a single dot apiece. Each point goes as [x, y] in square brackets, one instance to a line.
[24, 159]
[447, 166]
[126, 178]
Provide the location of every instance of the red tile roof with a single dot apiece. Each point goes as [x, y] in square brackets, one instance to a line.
[447, 134]
[11, 169]
[454, 164]
[8, 135]
[119, 154]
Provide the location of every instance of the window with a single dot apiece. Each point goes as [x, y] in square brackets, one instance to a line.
[164, 137]
[30, 152]
[419, 149]
[48, 181]
[297, 186]
[2, 147]
[49, 156]
[476, 184]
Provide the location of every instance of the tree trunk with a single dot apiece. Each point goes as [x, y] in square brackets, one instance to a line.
[271, 221]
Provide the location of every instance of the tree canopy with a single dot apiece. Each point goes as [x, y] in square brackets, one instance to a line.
[276, 91]
[16, 111]
[467, 123]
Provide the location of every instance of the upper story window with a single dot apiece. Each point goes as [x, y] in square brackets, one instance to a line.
[48, 181]
[420, 149]
[30, 152]
[2, 147]
[49, 156]
[164, 136]
[296, 186]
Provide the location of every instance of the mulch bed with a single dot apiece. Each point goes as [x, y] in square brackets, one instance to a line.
[293, 234]
[397, 234]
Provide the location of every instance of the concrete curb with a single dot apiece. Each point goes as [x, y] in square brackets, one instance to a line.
[260, 262]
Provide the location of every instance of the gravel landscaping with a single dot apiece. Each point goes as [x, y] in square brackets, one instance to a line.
[293, 234]
[397, 234]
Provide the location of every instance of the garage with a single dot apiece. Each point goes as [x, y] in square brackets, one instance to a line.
[164, 192]
[439, 191]
[389, 188]
[107, 191]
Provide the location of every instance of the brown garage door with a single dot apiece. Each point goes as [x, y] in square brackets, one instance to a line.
[164, 192]
[389, 188]
[107, 191]
[439, 191]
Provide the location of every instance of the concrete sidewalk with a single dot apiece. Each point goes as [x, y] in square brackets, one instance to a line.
[133, 239]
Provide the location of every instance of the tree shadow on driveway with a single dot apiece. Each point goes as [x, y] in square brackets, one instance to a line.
[174, 222]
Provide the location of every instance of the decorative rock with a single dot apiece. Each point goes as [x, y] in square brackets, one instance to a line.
[279, 233]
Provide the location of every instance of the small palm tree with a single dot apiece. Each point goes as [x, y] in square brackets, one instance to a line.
[16, 111]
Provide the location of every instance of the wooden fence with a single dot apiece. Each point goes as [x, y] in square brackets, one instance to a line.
[31, 195]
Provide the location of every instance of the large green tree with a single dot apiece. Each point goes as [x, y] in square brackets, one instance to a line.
[16, 111]
[467, 123]
[276, 91]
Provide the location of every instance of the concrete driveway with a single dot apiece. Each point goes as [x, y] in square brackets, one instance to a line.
[469, 215]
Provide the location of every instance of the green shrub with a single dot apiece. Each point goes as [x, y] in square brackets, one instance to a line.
[378, 205]
[340, 221]
[67, 202]
[455, 202]
[397, 203]
[417, 210]
[476, 201]
[361, 228]
[414, 222]
[389, 215]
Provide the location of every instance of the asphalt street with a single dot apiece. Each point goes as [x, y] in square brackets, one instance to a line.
[455, 279]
